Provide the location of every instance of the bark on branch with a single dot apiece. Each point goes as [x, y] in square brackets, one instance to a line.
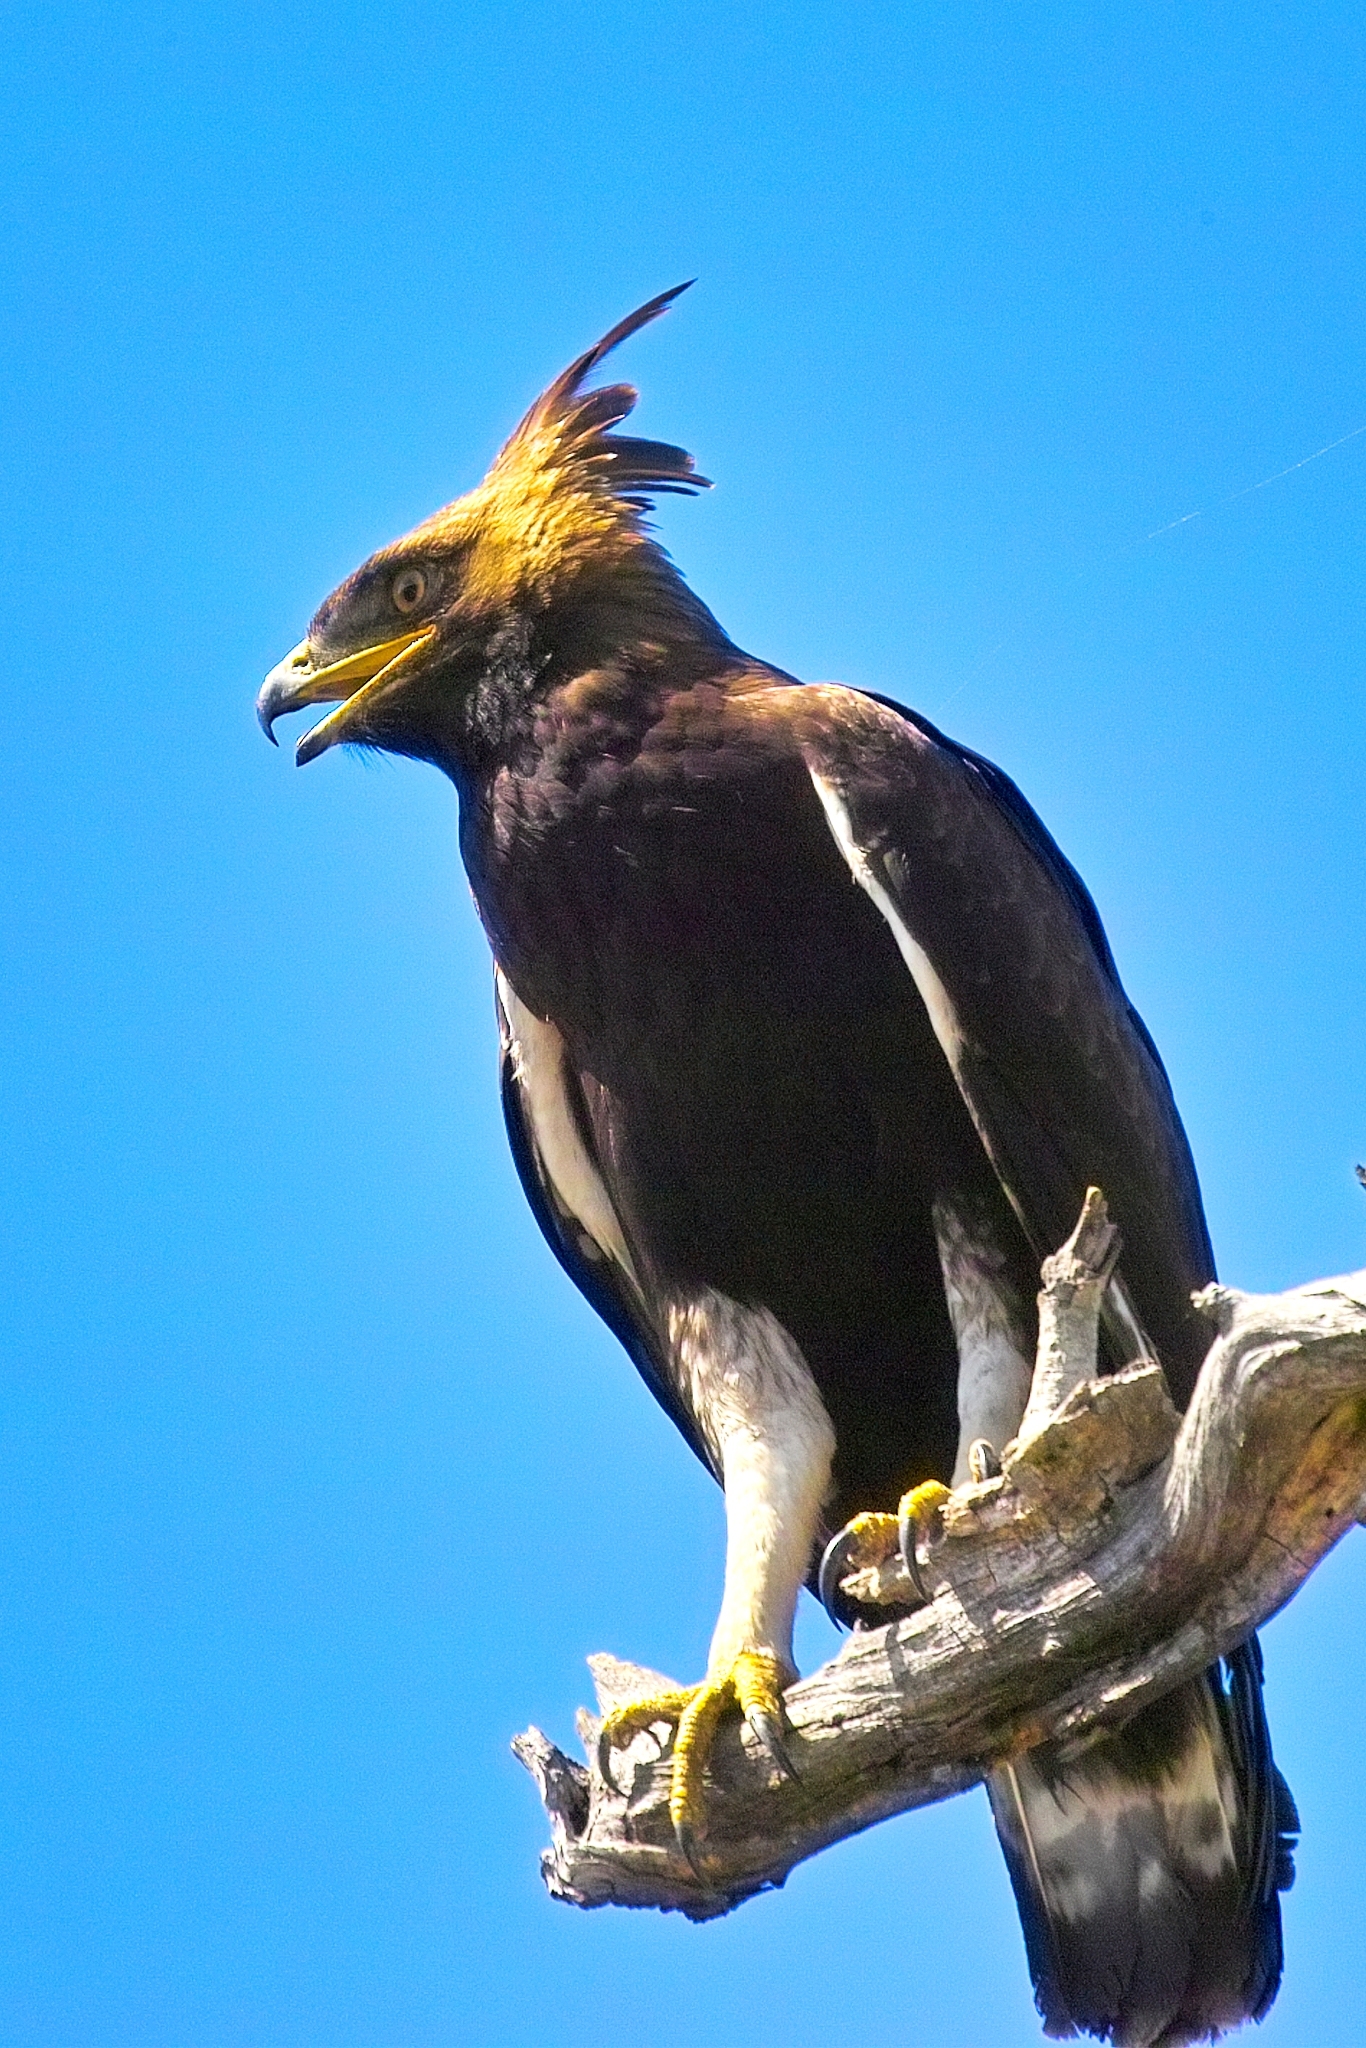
[1121, 1549]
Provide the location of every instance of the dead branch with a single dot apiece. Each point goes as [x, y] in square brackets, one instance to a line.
[1119, 1552]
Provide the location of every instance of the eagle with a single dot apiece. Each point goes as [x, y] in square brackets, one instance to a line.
[812, 1042]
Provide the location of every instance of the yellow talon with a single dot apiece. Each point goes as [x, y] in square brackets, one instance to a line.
[921, 1502]
[918, 1512]
[870, 1541]
[758, 1678]
[753, 1682]
[873, 1539]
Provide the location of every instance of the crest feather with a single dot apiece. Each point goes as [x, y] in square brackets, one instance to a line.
[565, 439]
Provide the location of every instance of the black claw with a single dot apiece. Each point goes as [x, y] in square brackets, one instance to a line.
[768, 1728]
[907, 1530]
[688, 1848]
[605, 1771]
[983, 1462]
[834, 1564]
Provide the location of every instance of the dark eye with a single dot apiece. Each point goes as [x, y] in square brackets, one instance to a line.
[408, 590]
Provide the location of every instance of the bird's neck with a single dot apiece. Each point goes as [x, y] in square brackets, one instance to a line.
[637, 614]
[613, 649]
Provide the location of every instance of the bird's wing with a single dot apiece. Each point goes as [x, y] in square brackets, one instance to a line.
[1059, 1075]
[562, 1180]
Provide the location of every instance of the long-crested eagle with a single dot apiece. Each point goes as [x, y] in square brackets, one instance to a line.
[812, 1042]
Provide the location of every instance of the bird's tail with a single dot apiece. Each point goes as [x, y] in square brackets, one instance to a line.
[1147, 1865]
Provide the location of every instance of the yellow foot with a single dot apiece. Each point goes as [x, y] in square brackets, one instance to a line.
[869, 1540]
[916, 1516]
[753, 1682]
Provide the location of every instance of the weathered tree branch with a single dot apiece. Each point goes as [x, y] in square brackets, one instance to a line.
[1119, 1552]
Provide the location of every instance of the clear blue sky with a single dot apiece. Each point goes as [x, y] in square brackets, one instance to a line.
[317, 1481]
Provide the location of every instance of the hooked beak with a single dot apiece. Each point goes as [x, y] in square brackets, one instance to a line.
[297, 681]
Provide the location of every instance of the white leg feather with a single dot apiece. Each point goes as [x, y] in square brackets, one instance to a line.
[763, 1419]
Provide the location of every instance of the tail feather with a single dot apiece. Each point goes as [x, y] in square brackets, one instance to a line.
[1147, 1865]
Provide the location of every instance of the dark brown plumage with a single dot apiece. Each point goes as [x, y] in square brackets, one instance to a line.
[812, 1043]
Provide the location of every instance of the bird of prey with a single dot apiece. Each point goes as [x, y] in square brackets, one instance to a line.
[812, 1042]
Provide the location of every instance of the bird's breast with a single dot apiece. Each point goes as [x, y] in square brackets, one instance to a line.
[663, 898]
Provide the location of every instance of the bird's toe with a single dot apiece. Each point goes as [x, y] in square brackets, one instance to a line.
[917, 1517]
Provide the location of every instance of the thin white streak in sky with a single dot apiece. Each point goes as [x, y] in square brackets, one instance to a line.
[1248, 489]
[1157, 533]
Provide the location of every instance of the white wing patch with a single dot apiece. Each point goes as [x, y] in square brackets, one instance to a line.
[538, 1062]
[933, 993]
[943, 1019]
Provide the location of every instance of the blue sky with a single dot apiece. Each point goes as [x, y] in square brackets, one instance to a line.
[316, 1480]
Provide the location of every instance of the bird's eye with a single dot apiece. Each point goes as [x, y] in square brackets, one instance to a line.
[408, 590]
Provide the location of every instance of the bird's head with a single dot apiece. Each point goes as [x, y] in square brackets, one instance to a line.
[555, 528]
